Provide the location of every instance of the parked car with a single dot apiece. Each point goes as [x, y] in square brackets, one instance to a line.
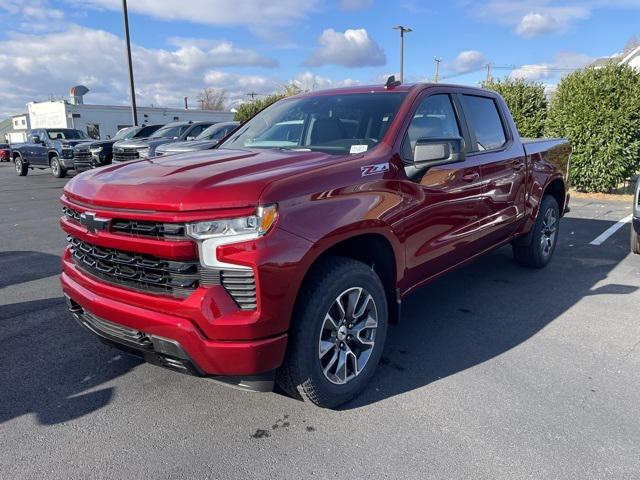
[100, 152]
[635, 227]
[5, 152]
[47, 148]
[126, 150]
[281, 260]
[207, 140]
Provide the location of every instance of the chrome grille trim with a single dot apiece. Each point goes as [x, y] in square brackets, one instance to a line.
[125, 154]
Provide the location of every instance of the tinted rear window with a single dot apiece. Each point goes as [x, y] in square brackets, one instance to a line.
[484, 119]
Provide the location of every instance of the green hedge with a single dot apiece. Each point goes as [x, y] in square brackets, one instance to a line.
[247, 110]
[527, 102]
[598, 110]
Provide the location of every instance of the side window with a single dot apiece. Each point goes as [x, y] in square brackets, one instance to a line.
[435, 118]
[197, 130]
[484, 120]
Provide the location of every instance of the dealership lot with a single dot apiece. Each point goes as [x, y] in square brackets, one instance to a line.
[494, 372]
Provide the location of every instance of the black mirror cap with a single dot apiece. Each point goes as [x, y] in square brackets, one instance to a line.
[430, 152]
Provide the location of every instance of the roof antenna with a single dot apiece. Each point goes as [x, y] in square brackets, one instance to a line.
[392, 82]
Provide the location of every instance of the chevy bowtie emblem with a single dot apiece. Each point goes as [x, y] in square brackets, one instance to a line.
[93, 223]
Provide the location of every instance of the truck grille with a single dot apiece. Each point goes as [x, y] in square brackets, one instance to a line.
[136, 271]
[82, 155]
[241, 285]
[159, 230]
[125, 154]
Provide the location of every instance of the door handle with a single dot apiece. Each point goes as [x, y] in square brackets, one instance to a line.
[471, 177]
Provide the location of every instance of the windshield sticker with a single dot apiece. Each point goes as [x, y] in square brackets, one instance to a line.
[358, 149]
[373, 169]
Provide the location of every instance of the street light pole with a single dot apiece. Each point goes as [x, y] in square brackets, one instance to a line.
[134, 113]
[403, 30]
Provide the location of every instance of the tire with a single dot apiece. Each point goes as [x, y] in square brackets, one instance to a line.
[635, 241]
[544, 237]
[57, 170]
[21, 168]
[302, 375]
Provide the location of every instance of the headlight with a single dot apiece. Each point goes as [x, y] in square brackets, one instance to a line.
[255, 225]
[143, 152]
[67, 153]
[211, 234]
[95, 150]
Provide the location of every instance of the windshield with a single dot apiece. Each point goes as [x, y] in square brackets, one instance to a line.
[336, 124]
[214, 132]
[125, 133]
[170, 131]
[66, 134]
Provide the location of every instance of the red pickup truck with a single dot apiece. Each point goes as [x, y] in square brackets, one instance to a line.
[285, 253]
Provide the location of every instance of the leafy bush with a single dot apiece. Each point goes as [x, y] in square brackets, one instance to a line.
[247, 110]
[598, 110]
[527, 102]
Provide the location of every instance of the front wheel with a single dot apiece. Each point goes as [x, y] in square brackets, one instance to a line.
[338, 333]
[635, 241]
[57, 169]
[544, 236]
[21, 168]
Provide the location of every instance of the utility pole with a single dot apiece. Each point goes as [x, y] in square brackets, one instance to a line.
[134, 113]
[488, 73]
[436, 75]
[403, 30]
[253, 95]
[186, 103]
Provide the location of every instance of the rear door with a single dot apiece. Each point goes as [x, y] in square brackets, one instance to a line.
[496, 147]
[442, 215]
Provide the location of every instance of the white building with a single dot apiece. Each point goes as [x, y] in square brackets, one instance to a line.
[103, 121]
[631, 58]
[19, 126]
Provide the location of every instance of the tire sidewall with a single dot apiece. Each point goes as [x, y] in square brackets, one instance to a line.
[313, 318]
[58, 171]
[547, 203]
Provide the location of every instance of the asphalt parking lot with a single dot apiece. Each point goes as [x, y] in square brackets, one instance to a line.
[495, 372]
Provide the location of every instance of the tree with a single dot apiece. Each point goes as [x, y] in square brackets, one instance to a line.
[527, 102]
[247, 110]
[212, 99]
[598, 110]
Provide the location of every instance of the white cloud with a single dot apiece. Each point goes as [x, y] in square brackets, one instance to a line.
[309, 81]
[562, 64]
[258, 13]
[467, 61]
[355, 5]
[37, 66]
[536, 24]
[352, 48]
[533, 18]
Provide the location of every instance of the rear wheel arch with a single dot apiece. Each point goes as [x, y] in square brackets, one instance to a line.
[557, 189]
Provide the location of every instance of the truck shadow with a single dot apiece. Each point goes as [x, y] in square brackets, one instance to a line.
[491, 306]
[50, 367]
[26, 266]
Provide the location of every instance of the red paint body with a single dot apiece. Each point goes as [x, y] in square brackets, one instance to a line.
[455, 213]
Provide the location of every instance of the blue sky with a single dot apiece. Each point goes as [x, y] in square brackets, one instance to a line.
[183, 46]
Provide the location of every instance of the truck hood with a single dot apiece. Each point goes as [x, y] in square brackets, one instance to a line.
[71, 143]
[188, 146]
[95, 144]
[206, 180]
[145, 142]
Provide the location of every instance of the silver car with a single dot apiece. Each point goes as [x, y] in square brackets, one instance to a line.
[206, 140]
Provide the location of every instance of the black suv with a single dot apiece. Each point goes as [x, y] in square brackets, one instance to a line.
[99, 153]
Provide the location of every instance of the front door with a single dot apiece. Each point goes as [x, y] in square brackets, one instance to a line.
[38, 150]
[443, 211]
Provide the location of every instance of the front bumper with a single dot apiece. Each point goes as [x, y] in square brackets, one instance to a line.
[67, 163]
[82, 166]
[199, 354]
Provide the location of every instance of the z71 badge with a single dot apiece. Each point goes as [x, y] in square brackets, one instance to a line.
[373, 169]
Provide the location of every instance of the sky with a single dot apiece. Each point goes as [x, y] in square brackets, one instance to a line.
[243, 46]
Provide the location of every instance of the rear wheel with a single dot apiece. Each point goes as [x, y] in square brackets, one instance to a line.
[21, 168]
[635, 241]
[338, 335]
[57, 169]
[544, 236]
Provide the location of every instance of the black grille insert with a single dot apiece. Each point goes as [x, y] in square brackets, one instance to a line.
[136, 271]
[149, 229]
[241, 285]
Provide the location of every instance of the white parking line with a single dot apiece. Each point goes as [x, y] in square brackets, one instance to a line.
[611, 230]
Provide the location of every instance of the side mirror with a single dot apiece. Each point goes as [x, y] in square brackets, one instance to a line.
[430, 152]
[36, 139]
